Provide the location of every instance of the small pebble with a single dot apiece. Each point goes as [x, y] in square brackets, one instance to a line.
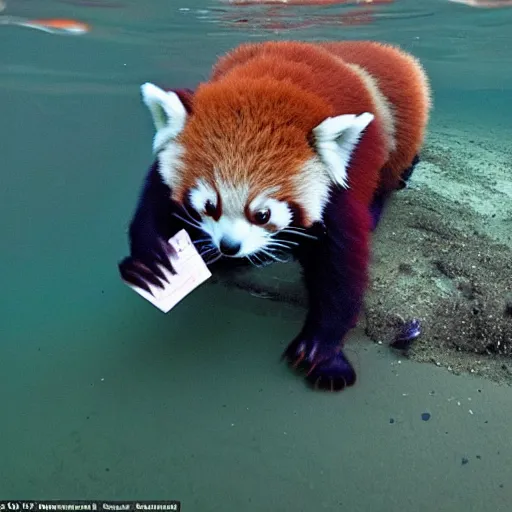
[391, 420]
[425, 416]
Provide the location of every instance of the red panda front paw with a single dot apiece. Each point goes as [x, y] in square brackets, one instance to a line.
[325, 365]
[140, 272]
[334, 374]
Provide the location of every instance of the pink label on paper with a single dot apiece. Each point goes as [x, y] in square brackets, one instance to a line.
[191, 271]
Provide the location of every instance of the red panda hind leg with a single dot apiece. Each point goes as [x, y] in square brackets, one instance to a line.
[335, 274]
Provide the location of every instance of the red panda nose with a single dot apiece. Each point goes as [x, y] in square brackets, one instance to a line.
[229, 247]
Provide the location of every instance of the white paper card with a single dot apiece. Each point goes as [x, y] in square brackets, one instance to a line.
[191, 271]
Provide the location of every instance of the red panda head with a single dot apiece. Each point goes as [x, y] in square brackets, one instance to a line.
[253, 158]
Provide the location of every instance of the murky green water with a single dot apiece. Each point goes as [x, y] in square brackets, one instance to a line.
[101, 395]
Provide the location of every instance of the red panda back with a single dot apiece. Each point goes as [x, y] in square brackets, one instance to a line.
[397, 75]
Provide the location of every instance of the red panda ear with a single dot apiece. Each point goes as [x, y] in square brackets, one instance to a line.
[335, 139]
[167, 111]
[186, 97]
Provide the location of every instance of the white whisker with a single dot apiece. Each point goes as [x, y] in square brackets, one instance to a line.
[278, 244]
[186, 221]
[218, 257]
[188, 214]
[299, 233]
[295, 228]
[277, 240]
[208, 250]
[259, 260]
[273, 256]
[252, 262]
[202, 240]
[290, 229]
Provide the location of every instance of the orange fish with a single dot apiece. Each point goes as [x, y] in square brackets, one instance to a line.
[52, 26]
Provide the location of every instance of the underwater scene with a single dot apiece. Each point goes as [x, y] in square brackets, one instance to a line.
[257, 255]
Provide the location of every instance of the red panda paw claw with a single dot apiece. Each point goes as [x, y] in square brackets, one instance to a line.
[325, 366]
[335, 374]
[137, 274]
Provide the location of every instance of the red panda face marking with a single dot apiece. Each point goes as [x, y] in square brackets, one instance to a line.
[171, 163]
[312, 190]
[239, 227]
[205, 200]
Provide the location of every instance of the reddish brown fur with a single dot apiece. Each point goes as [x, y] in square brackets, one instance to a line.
[266, 98]
[242, 132]
[402, 82]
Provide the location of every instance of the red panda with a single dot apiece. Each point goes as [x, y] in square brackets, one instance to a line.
[289, 147]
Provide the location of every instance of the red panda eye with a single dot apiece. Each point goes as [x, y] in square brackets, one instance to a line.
[262, 217]
[209, 208]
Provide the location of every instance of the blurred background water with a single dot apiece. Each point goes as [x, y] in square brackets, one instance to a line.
[101, 395]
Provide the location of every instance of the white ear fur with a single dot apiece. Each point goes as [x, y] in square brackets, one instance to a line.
[168, 113]
[335, 141]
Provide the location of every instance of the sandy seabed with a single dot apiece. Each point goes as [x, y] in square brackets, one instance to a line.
[443, 254]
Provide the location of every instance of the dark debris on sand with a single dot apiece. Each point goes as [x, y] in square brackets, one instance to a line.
[434, 260]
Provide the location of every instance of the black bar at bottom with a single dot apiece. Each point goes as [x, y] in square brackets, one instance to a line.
[89, 506]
